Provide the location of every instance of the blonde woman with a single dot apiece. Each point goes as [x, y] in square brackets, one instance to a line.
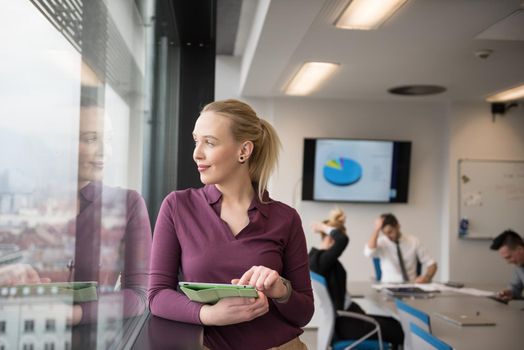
[231, 231]
[324, 261]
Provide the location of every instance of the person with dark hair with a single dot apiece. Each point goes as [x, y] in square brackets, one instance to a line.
[399, 253]
[231, 231]
[510, 246]
[324, 261]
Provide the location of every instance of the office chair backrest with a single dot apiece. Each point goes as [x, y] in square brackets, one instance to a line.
[325, 316]
[378, 270]
[324, 310]
[408, 314]
[422, 340]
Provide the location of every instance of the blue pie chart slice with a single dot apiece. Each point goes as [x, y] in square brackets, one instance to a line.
[342, 171]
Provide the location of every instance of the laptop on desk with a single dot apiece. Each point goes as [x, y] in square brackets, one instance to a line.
[464, 319]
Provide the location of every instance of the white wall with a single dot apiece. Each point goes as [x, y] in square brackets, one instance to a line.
[441, 134]
[474, 135]
[294, 118]
[227, 77]
[422, 123]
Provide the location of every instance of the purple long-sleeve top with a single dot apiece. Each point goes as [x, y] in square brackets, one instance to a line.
[190, 238]
[113, 239]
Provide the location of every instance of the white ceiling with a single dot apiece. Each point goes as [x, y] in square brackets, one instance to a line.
[425, 42]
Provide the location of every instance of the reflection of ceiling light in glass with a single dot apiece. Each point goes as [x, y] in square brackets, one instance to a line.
[309, 77]
[512, 94]
[417, 90]
[367, 14]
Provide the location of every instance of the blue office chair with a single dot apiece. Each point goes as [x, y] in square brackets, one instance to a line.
[378, 270]
[422, 340]
[408, 315]
[325, 312]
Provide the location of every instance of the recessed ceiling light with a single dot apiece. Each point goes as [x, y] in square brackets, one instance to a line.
[417, 90]
[367, 14]
[515, 93]
[309, 77]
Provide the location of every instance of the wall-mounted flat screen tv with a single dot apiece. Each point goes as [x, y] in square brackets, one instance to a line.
[354, 170]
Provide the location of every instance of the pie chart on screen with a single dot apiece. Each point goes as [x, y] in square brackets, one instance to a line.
[342, 171]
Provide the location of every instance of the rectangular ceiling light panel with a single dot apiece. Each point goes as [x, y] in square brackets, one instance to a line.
[367, 14]
[309, 77]
[512, 94]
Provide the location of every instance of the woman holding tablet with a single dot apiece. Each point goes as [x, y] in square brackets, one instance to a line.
[231, 231]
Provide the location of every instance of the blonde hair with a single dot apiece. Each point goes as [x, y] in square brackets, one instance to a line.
[247, 126]
[336, 219]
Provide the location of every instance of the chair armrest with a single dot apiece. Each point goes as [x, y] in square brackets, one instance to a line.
[364, 318]
[356, 315]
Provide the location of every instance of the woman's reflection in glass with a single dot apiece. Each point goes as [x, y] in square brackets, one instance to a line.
[113, 233]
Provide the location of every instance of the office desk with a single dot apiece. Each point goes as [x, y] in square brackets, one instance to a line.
[363, 288]
[507, 334]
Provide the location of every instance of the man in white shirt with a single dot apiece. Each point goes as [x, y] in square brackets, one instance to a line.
[398, 253]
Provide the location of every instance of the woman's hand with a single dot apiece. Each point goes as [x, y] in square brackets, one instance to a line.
[20, 274]
[264, 280]
[234, 310]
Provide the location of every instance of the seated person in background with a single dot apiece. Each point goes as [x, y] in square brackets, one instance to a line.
[398, 253]
[324, 261]
[511, 247]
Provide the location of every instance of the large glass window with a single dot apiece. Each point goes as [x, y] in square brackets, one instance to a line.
[73, 223]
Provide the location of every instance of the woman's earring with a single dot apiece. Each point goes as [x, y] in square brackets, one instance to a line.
[241, 160]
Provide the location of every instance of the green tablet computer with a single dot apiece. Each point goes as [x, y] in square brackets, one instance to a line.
[79, 291]
[210, 293]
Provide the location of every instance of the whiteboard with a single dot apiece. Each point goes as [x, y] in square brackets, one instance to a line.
[491, 197]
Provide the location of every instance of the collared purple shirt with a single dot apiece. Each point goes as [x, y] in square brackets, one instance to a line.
[191, 239]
